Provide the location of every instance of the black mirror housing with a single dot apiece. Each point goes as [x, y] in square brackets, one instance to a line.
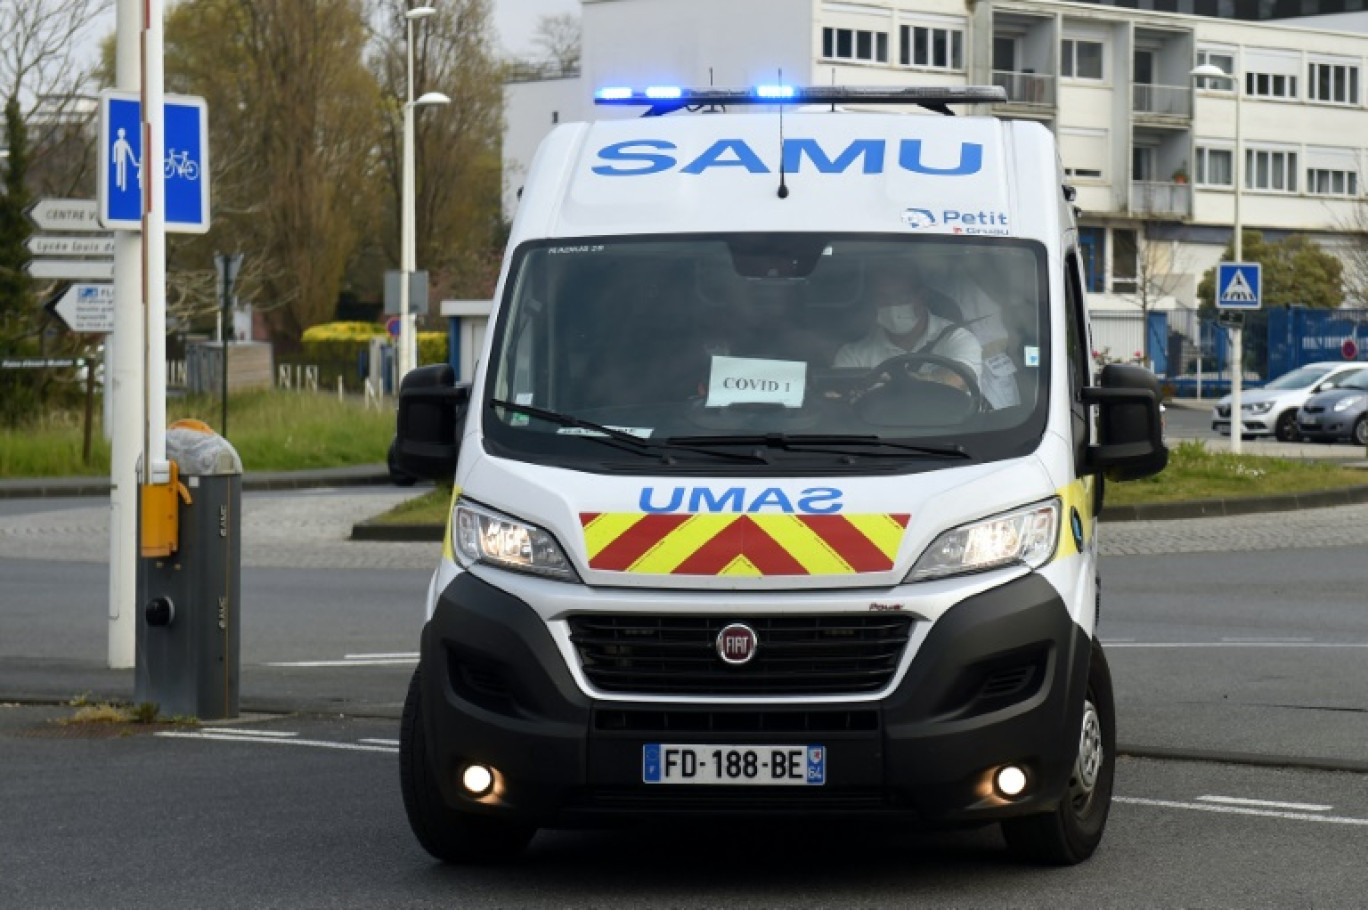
[1130, 426]
[432, 409]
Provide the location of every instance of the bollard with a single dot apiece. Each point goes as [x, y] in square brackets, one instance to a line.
[188, 631]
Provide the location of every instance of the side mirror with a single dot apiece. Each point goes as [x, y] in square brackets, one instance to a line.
[432, 409]
[1130, 426]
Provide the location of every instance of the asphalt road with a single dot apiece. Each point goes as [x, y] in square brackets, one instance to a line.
[1237, 647]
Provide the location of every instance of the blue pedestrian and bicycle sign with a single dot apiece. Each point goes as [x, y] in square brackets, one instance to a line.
[1238, 286]
[185, 168]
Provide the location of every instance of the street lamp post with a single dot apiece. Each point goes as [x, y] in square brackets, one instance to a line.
[1211, 71]
[407, 339]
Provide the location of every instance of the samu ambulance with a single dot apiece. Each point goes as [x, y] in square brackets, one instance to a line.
[734, 535]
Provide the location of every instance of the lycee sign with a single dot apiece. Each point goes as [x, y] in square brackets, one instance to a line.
[40, 245]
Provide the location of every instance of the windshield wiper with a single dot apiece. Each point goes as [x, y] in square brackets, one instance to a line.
[618, 438]
[826, 443]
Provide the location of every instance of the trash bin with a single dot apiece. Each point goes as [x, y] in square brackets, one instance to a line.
[188, 631]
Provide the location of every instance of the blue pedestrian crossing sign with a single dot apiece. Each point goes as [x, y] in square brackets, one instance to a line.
[184, 169]
[1238, 286]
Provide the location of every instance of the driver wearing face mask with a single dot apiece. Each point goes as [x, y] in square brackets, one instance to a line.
[905, 325]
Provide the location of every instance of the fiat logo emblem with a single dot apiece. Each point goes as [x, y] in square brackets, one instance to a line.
[737, 644]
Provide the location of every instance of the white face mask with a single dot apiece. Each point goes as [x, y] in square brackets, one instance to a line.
[900, 319]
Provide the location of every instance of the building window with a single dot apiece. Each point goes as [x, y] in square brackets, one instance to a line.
[1092, 242]
[1325, 182]
[1223, 62]
[1270, 85]
[1125, 266]
[1332, 82]
[936, 48]
[1214, 167]
[1275, 171]
[1080, 59]
[855, 44]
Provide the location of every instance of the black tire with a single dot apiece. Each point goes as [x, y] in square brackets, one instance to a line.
[1360, 433]
[448, 834]
[1069, 835]
[1285, 430]
[396, 476]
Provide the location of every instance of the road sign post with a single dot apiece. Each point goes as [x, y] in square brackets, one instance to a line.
[1239, 287]
[228, 266]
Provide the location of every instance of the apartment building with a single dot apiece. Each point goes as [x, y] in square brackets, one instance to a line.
[1150, 149]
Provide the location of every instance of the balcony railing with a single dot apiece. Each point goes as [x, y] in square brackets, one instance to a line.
[1149, 198]
[1031, 89]
[1163, 100]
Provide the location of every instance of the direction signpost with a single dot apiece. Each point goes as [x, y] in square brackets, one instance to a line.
[85, 252]
[85, 308]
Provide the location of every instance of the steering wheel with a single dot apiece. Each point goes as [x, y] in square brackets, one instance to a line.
[900, 371]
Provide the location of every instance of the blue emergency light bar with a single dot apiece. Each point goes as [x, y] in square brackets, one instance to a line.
[662, 99]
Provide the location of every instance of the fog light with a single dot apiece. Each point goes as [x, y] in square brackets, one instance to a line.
[1010, 781]
[477, 779]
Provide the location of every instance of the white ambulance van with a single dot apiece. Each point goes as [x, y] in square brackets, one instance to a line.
[776, 488]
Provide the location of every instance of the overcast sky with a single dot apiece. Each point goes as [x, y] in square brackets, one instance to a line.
[514, 21]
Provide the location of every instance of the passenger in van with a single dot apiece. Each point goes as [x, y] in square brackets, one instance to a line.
[904, 324]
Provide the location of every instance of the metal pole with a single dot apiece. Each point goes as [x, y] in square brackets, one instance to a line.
[1237, 333]
[124, 384]
[225, 319]
[406, 194]
[156, 470]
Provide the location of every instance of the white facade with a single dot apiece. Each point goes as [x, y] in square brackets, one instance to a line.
[1150, 153]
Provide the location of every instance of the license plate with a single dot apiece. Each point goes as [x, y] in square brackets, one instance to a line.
[670, 763]
[1310, 421]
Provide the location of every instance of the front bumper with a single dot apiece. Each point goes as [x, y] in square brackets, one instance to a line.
[999, 679]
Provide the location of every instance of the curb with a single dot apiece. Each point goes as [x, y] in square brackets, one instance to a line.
[359, 476]
[1245, 505]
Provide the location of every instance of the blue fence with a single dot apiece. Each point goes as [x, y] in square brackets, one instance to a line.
[1188, 350]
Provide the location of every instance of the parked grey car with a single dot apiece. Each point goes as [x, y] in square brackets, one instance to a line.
[1272, 410]
[1339, 413]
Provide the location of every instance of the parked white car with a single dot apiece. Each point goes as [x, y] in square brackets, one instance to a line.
[1272, 410]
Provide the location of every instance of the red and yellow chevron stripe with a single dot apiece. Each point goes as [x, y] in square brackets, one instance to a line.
[676, 543]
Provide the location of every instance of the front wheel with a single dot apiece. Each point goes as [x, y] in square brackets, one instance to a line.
[449, 835]
[1285, 430]
[1361, 431]
[1069, 835]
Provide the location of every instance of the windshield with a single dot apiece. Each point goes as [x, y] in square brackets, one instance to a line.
[745, 352]
[1300, 378]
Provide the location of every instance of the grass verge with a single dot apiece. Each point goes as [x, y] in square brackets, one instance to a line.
[271, 430]
[1192, 473]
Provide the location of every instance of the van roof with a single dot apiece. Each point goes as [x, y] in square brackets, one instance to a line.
[841, 172]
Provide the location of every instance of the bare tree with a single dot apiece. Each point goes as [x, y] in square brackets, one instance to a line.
[38, 42]
[1158, 276]
[294, 137]
[558, 39]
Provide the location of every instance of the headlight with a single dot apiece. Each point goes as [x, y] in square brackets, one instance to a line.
[482, 535]
[1258, 407]
[1025, 536]
[1345, 404]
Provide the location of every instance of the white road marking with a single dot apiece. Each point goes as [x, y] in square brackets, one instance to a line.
[377, 662]
[267, 733]
[1264, 803]
[406, 655]
[1267, 639]
[316, 743]
[1239, 810]
[380, 742]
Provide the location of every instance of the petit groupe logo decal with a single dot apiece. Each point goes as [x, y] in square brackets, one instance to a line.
[918, 218]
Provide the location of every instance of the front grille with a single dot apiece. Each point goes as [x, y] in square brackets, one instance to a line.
[797, 655]
[781, 723]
